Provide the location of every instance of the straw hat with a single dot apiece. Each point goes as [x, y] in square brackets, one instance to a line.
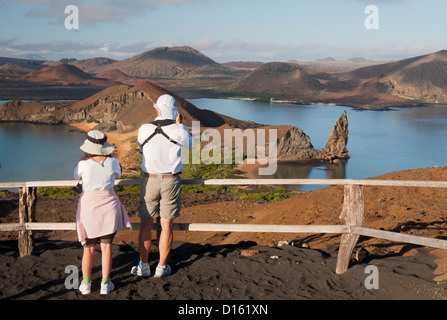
[96, 144]
[167, 107]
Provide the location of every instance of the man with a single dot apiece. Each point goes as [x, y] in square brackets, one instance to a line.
[161, 143]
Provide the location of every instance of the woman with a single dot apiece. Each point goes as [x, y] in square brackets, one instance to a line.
[100, 213]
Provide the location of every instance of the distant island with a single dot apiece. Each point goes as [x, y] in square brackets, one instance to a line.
[185, 71]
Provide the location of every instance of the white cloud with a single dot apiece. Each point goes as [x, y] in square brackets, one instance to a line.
[98, 11]
[235, 50]
[58, 49]
[205, 43]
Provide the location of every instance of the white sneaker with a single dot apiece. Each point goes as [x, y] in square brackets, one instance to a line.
[85, 288]
[141, 270]
[161, 272]
[106, 288]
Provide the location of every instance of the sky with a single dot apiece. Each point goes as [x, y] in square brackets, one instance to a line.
[224, 30]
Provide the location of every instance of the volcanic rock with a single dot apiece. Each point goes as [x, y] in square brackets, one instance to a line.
[338, 139]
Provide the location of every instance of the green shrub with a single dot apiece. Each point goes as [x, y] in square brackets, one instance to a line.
[57, 193]
[134, 190]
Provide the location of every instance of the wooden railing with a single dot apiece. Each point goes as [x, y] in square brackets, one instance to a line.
[353, 212]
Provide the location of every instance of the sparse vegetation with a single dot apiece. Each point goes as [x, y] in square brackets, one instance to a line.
[54, 192]
[256, 193]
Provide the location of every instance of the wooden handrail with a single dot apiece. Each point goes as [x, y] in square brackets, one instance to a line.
[352, 213]
[245, 182]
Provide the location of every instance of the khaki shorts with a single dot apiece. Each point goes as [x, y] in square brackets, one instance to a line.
[107, 239]
[160, 197]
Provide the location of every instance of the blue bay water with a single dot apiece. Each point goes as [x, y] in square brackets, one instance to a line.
[379, 141]
[31, 152]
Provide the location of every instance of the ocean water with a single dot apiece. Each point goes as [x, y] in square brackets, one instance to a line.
[30, 152]
[379, 141]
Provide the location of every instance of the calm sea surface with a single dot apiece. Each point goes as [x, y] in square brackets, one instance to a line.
[379, 141]
[38, 152]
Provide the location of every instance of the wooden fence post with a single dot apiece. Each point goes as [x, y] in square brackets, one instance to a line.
[353, 213]
[27, 211]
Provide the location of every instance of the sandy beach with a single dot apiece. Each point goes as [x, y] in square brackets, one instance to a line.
[121, 141]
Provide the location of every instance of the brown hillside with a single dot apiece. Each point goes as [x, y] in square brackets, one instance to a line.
[175, 62]
[112, 74]
[424, 79]
[299, 84]
[129, 107]
[93, 65]
[421, 78]
[278, 78]
[64, 74]
[123, 107]
[118, 76]
[7, 72]
[244, 64]
[9, 69]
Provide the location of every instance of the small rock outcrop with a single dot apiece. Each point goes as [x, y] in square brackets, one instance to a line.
[295, 145]
[338, 139]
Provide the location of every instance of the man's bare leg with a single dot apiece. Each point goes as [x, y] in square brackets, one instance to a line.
[165, 242]
[144, 239]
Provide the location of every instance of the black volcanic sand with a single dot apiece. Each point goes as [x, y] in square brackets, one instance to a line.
[205, 272]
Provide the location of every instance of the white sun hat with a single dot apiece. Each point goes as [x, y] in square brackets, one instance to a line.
[167, 107]
[96, 144]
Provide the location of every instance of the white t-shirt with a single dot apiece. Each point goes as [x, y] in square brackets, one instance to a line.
[159, 154]
[97, 175]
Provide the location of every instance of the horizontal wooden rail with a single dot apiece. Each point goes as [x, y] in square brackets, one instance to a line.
[212, 227]
[400, 237]
[245, 182]
[352, 213]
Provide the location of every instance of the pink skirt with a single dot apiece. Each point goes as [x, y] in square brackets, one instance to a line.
[100, 213]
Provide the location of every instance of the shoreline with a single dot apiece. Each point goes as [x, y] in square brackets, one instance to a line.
[121, 141]
[365, 107]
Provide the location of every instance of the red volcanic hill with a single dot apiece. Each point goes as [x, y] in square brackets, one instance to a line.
[66, 74]
[405, 82]
[62, 74]
[128, 107]
[279, 78]
[421, 78]
[114, 74]
[8, 70]
[166, 63]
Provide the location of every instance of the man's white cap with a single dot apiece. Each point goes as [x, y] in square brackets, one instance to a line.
[167, 107]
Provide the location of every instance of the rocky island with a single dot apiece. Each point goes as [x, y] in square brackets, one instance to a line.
[123, 109]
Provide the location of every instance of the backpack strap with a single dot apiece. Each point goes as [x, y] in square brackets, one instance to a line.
[159, 130]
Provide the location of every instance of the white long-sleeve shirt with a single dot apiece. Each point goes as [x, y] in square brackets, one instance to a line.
[160, 156]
